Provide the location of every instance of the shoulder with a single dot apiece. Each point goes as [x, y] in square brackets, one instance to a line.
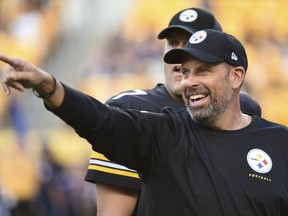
[271, 126]
[139, 93]
[148, 99]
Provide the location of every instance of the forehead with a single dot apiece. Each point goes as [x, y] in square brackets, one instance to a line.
[190, 61]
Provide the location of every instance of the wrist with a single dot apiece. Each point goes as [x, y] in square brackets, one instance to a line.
[48, 94]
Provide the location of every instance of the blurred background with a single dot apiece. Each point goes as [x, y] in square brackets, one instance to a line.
[101, 48]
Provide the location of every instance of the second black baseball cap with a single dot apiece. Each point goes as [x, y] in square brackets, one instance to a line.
[191, 20]
[210, 46]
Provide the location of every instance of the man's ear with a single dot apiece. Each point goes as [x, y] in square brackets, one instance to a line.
[238, 74]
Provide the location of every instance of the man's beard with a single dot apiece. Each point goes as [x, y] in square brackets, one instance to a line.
[218, 105]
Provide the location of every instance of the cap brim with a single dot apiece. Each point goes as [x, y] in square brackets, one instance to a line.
[163, 34]
[175, 56]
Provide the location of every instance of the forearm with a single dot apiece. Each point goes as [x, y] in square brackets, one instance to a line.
[51, 91]
[56, 99]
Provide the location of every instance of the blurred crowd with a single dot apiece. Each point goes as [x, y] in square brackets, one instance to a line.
[32, 180]
[42, 173]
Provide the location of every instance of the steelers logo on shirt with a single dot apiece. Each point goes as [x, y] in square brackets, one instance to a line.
[259, 161]
[188, 15]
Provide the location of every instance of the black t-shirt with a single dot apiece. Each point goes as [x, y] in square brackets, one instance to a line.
[188, 169]
[153, 100]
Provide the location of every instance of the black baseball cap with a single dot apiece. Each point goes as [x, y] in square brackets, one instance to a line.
[211, 46]
[191, 20]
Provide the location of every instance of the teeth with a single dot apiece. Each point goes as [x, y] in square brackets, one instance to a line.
[195, 97]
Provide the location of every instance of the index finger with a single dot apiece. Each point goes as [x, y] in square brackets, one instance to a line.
[8, 60]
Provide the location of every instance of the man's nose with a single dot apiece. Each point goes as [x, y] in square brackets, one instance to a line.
[191, 81]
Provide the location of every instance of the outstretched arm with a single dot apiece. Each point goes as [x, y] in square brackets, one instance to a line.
[22, 75]
[124, 136]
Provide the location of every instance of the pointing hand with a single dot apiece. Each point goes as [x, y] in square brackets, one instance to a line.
[21, 74]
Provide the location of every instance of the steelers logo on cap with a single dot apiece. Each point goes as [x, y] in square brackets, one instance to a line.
[198, 37]
[188, 15]
[259, 161]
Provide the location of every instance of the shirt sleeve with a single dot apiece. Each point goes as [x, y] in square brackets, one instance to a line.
[129, 137]
[102, 170]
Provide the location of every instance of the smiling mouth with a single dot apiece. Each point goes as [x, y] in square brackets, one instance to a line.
[197, 97]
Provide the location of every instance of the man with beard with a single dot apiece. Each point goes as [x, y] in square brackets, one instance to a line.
[117, 186]
[207, 159]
